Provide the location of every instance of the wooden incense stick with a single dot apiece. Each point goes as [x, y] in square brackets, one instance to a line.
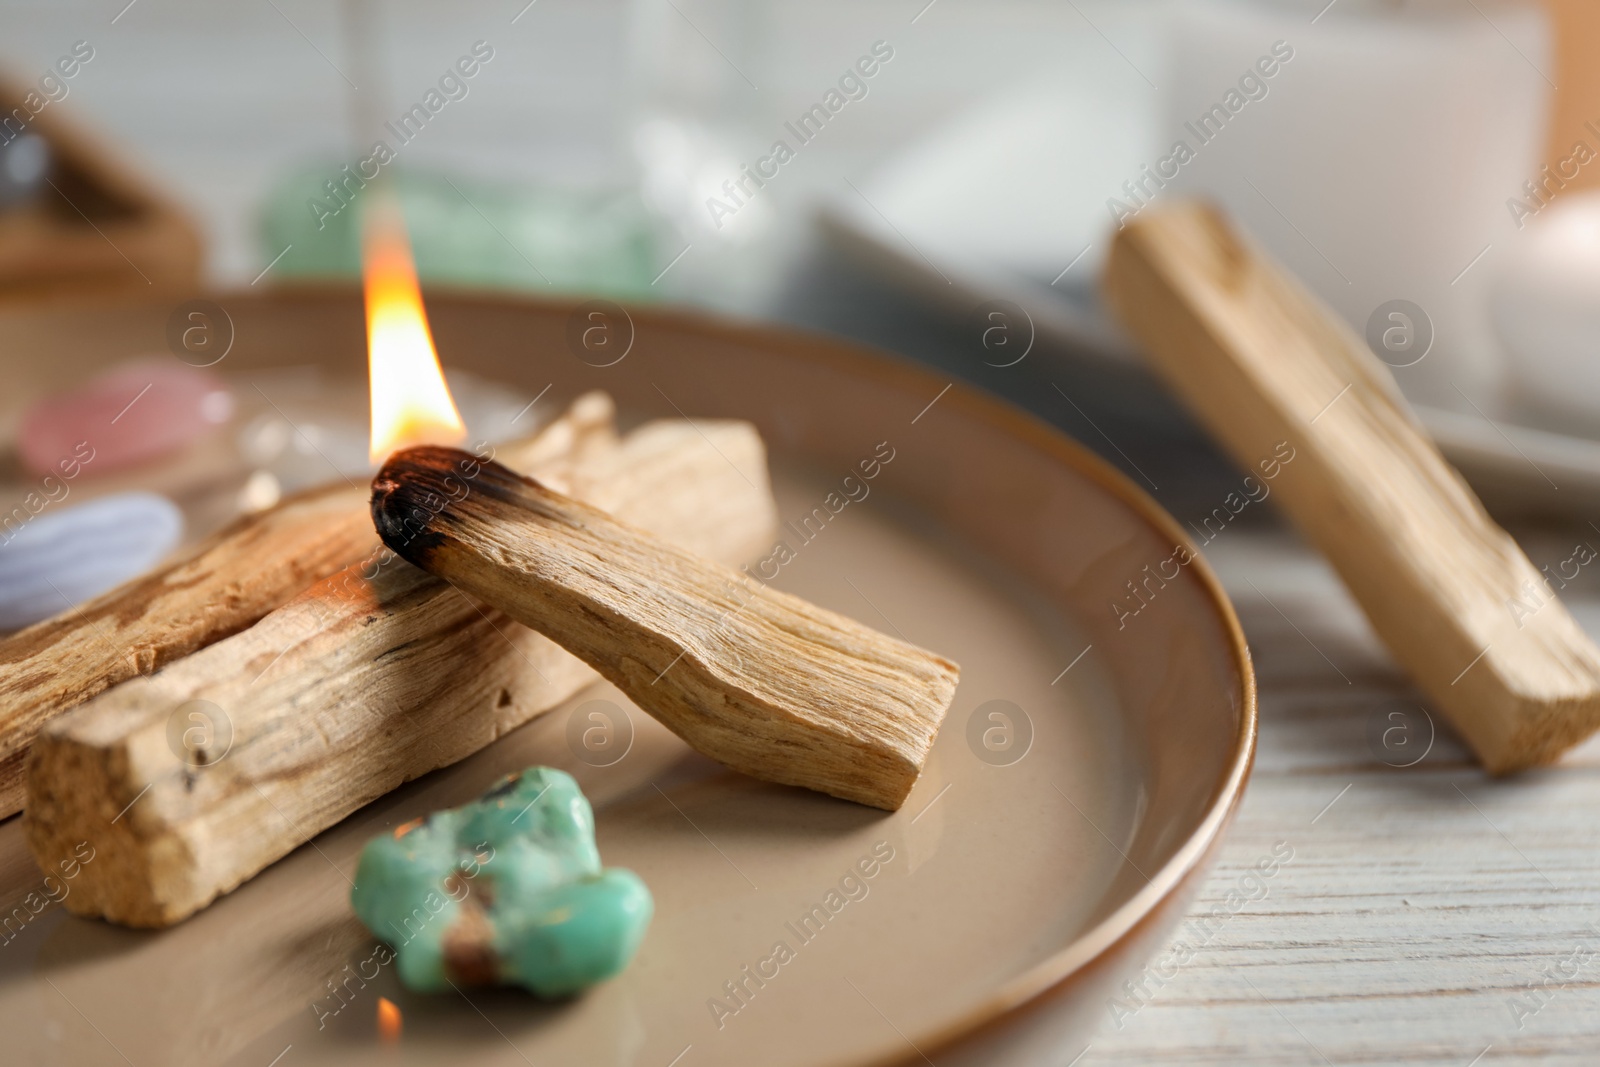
[369, 679]
[226, 584]
[760, 680]
[1261, 362]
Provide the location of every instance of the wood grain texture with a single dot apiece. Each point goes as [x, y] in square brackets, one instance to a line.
[1457, 602]
[1423, 907]
[226, 584]
[759, 680]
[372, 677]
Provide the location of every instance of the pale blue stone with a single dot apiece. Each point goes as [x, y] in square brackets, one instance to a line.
[57, 559]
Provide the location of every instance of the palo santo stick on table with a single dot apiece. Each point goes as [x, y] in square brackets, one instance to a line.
[757, 679]
[342, 695]
[226, 584]
[1262, 362]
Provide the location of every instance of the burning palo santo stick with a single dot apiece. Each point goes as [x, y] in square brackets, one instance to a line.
[226, 584]
[343, 694]
[757, 679]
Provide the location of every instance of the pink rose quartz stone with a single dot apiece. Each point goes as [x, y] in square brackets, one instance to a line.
[129, 415]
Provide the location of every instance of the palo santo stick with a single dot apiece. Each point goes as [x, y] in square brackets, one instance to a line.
[1262, 362]
[341, 695]
[757, 679]
[226, 584]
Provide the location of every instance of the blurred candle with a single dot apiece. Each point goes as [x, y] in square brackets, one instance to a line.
[1378, 158]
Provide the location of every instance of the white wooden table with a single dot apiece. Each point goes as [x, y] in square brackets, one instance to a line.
[1428, 915]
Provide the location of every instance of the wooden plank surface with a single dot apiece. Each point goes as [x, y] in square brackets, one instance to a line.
[1422, 904]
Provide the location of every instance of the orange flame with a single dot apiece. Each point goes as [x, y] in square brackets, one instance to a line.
[389, 1021]
[410, 402]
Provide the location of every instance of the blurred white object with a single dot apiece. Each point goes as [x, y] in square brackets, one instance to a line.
[1019, 181]
[1379, 164]
[260, 491]
[307, 451]
[1546, 305]
[960, 216]
[492, 411]
[58, 559]
[1007, 197]
[683, 164]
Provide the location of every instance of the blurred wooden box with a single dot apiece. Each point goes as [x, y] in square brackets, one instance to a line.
[98, 228]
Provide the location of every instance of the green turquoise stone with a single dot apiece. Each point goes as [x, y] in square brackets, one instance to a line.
[469, 233]
[506, 889]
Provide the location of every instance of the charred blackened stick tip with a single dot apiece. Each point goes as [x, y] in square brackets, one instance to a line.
[417, 486]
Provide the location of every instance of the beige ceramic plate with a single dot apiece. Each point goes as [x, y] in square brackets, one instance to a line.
[1091, 759]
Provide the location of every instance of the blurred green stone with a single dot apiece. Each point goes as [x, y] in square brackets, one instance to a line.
[506, 889]
[469, 233]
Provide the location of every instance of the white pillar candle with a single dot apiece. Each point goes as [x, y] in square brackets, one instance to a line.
[1377, 159]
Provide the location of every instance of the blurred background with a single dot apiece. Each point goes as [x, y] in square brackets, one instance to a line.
[948, 177]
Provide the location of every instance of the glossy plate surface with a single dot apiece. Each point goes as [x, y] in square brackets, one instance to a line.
[1096, 748]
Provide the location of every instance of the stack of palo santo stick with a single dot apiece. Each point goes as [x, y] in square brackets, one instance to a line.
[322, 670]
